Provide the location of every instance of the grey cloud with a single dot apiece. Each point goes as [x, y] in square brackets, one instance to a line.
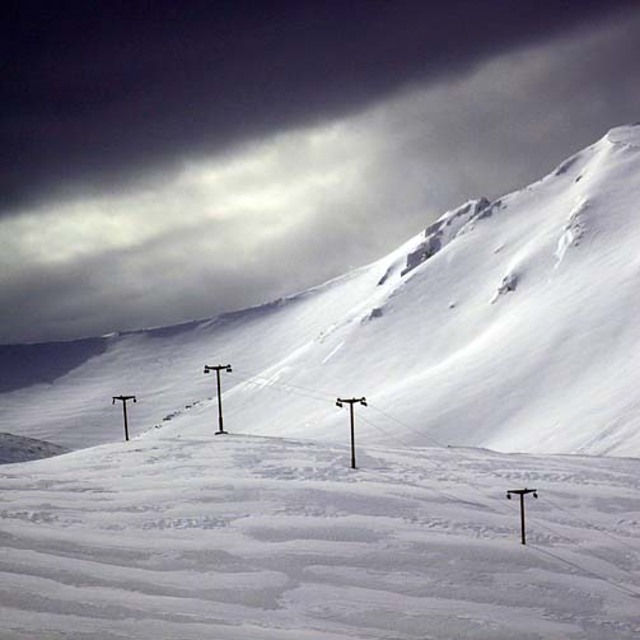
[507, 123]
[196, 249]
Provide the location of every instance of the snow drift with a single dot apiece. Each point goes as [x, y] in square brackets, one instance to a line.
[184, 535]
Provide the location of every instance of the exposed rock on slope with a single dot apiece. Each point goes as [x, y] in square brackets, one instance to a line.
[442, 231]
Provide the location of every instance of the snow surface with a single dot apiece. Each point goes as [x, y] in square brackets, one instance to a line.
[181, 534]
[508, 326]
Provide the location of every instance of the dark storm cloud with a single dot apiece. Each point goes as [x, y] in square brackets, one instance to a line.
[95, 94]
[290, 166]
[160, 286]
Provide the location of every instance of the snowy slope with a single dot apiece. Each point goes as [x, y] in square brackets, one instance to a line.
[510, 325]
[184, 535]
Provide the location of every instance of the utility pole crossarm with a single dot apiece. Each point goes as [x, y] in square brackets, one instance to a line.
[123, 398]
[340, 402]
[218, 368]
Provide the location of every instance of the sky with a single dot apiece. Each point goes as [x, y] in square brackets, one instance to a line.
[169, 161]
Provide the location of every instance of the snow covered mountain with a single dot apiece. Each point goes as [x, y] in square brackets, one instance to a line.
[510, 325]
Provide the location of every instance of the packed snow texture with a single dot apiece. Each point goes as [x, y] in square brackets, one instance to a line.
[181, 534]
[509, 325]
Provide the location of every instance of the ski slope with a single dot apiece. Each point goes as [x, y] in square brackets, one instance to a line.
[181, 534]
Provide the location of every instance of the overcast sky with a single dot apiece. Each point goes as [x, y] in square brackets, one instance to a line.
[164, 161]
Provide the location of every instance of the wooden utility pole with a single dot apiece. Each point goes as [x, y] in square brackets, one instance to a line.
[217, 368]
[124, 399]
[351, 401]
[522, 493]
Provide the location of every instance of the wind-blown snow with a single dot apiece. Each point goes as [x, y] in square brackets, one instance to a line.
[183, 535]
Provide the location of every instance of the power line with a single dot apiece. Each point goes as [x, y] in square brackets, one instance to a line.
[593, 527]
[262, 382]
[409, 427]
[290, 388]
[535, 521]
[623, 588]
